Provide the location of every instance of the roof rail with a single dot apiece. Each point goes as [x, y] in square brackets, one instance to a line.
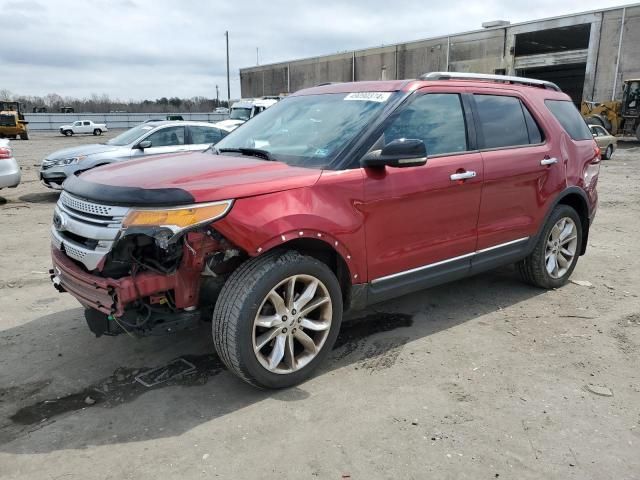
[490, 78]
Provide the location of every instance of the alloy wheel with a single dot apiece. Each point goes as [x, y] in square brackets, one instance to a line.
[561, 247]
[292, 324]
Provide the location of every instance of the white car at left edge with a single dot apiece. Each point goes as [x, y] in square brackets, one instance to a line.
[9, 168]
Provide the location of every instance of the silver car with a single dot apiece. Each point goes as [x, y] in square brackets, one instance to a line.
[152, 138]
[9, 168]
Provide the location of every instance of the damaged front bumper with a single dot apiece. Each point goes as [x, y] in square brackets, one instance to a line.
[112, 296]
[109, 295]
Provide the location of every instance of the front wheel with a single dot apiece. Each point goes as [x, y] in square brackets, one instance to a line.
[24, 136]
[608, 153]
[277, 318]
[67, 133]
[556, 253]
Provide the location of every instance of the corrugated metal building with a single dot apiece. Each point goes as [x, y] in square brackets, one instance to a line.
[586, 54]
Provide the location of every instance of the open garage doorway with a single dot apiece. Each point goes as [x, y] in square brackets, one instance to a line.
[570, 78]
[558, 55]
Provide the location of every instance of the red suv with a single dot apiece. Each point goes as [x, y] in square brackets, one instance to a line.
[337, 197]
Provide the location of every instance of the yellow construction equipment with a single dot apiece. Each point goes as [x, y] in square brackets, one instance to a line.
[620, 118]
[12, 122]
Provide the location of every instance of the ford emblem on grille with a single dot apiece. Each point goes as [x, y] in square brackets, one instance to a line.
[59, 221]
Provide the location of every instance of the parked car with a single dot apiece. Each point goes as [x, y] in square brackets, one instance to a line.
[9, 168]
[244, 110]
[223, 110]
[338, 197]
[607, 142]
[83, 126]
[151, 138]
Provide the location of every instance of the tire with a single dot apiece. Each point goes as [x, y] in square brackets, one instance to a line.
[608, 153]
[247, 292]
[535, 268]
[638, 132]
[24, 136]
[67, 133]
[97, 132]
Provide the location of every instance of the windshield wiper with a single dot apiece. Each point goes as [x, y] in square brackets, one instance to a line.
[250, 152]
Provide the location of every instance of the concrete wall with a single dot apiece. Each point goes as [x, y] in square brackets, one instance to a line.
[53, 121]
[483, 51]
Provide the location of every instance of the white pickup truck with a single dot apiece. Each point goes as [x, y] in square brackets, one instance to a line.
[83, 126]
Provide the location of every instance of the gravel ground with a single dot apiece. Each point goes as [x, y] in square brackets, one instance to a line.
[480, 379]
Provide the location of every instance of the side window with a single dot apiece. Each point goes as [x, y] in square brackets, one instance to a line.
[77, 124]
[601, 132]
[535, 134]
[567, 114]
[167, 137]
[437, 119]
[502, 121]
[594, 131]
[86, 123]
[202, 135]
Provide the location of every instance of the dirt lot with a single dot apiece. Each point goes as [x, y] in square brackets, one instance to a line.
[481, 379]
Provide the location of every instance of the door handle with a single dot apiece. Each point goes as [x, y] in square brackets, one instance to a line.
[548, 161]
[462, 175]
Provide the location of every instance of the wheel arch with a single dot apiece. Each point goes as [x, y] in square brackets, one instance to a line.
[325, 249]
[575, 198]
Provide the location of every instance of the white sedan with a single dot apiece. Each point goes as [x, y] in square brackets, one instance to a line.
[9, 168]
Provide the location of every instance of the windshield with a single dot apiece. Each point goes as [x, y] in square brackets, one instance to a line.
[130, 135]
[308, 131]
[240, 114]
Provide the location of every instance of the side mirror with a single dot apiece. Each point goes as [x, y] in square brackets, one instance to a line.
[404, 152]
[144, 144]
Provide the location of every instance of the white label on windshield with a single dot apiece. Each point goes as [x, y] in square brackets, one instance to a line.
[369, 96]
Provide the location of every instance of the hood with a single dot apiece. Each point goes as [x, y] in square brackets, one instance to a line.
[91, 149]
[187, 178]
[229, 124]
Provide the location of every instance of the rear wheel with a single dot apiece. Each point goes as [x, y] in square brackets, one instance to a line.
[556, 253]
[97, 131]
[277, 318]
[608, 153]
[638, 132]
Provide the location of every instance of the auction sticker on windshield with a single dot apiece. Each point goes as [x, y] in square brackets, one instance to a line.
[369, 96]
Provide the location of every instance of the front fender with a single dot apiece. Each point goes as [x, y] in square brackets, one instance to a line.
[259, 224]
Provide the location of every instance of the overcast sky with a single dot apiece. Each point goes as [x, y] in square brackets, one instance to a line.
[135, 49]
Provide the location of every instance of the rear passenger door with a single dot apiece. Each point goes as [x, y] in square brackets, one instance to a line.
[202, 136]
[522, 173]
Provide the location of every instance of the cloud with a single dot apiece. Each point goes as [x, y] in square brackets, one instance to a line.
[154, 48]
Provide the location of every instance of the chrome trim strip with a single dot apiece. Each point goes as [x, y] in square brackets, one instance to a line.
[502, 245]
[442, 262]
[424, 267]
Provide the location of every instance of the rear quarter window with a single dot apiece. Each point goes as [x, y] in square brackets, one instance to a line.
[567, 114]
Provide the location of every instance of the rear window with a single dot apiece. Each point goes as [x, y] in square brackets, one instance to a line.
[567, 114]
[502, 121]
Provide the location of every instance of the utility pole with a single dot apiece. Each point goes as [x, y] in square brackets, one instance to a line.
[217, 96]
[226, 34]
[257, 57]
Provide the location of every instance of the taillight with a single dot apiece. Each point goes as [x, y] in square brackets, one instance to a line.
[592, 169]
[5, 152]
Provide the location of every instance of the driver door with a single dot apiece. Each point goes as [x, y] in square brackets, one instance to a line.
[422, 221]
[164, 140]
